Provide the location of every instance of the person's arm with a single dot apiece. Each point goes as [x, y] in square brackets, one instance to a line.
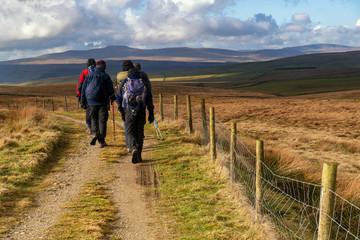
[149, 100]
[83, 101]
[81, 81]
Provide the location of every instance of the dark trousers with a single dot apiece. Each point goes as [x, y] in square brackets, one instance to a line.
[135, 129]
[99, 116]
[87, 118]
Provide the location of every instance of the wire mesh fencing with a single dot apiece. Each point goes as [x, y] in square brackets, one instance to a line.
[292, 205]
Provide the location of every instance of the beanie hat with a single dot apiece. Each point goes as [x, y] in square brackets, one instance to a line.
[90, 62]
[101, 64]
[127, 64]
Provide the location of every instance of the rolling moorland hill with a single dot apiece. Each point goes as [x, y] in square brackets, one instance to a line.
[305, 74]
[66, 66]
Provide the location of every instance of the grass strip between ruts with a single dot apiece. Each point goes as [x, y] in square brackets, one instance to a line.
[89, 216]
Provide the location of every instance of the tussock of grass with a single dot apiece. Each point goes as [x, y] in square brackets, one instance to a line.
[28, 140]
[89, 216]
[195, 196]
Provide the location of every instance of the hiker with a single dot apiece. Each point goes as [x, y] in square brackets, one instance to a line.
[98, 91]
[137, 66]
[90, 68]
[120, 77]
[133, 96]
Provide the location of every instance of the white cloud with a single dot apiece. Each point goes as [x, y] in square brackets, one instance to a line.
[301, 18]
[35, 27]
[29, 19]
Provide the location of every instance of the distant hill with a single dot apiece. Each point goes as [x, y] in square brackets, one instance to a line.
[305, 74]
[68, 65]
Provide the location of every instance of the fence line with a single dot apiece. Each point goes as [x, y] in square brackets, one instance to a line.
[291, 204]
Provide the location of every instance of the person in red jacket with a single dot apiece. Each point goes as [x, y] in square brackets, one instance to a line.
[90, 68]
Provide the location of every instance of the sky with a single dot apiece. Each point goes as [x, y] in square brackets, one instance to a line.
[31, 28]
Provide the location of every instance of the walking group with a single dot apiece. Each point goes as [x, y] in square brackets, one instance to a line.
[96, 92]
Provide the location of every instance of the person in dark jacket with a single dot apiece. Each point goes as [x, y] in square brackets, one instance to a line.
[135, 119]
[98, 91]
[90, 68]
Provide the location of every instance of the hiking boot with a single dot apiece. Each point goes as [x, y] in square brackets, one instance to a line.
[103, 144]
[134, 158]
[93, 140]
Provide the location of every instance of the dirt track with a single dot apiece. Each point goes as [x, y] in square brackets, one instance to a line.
[127, 189]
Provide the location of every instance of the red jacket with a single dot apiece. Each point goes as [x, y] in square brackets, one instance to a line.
[82, 77]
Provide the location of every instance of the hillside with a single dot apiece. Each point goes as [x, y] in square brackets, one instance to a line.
[305, 74]
[66, 66]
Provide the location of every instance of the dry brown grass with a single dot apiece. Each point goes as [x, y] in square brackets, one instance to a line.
[27, 137]
[300, 133]
[303, 131]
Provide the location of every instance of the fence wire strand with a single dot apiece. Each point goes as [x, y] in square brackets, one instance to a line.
[292, 205]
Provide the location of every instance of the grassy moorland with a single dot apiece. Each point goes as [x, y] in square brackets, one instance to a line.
[303, 131]
[28, 142]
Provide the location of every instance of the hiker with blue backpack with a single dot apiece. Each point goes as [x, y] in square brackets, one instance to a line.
[133, 97]
[98, 91]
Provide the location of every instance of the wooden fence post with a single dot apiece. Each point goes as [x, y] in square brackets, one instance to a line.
[328, 183]
[188, 103]
[52, 104]
[204, 122]
[232, 151]
[44, 104]
[66, 108]
[259, 159]
[161, 107]
[176, 107]
[212, 135]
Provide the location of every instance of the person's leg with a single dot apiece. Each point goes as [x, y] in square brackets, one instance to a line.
[140, 122]
[87, 118]
[131, 133]
[103, 118]
[94, 116]
[126, 137]
[130, 129]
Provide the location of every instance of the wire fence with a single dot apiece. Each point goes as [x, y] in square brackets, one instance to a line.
[292, 205]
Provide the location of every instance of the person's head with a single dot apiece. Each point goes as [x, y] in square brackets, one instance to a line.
[127, 64]
[101, 64]
[137, 66]
[91, 62]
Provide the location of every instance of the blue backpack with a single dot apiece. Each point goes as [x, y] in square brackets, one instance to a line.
[134, 94]
[93, 91]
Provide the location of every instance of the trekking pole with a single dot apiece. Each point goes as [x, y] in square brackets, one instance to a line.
[158, 130]
[113, 118]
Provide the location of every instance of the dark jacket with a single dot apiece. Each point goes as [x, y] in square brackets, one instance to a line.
[106, 88]
[148, 98]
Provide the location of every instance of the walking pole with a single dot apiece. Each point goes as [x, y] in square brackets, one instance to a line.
[113, 118]
[158, 130]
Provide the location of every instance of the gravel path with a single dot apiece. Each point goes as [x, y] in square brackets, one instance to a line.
[128, 193]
